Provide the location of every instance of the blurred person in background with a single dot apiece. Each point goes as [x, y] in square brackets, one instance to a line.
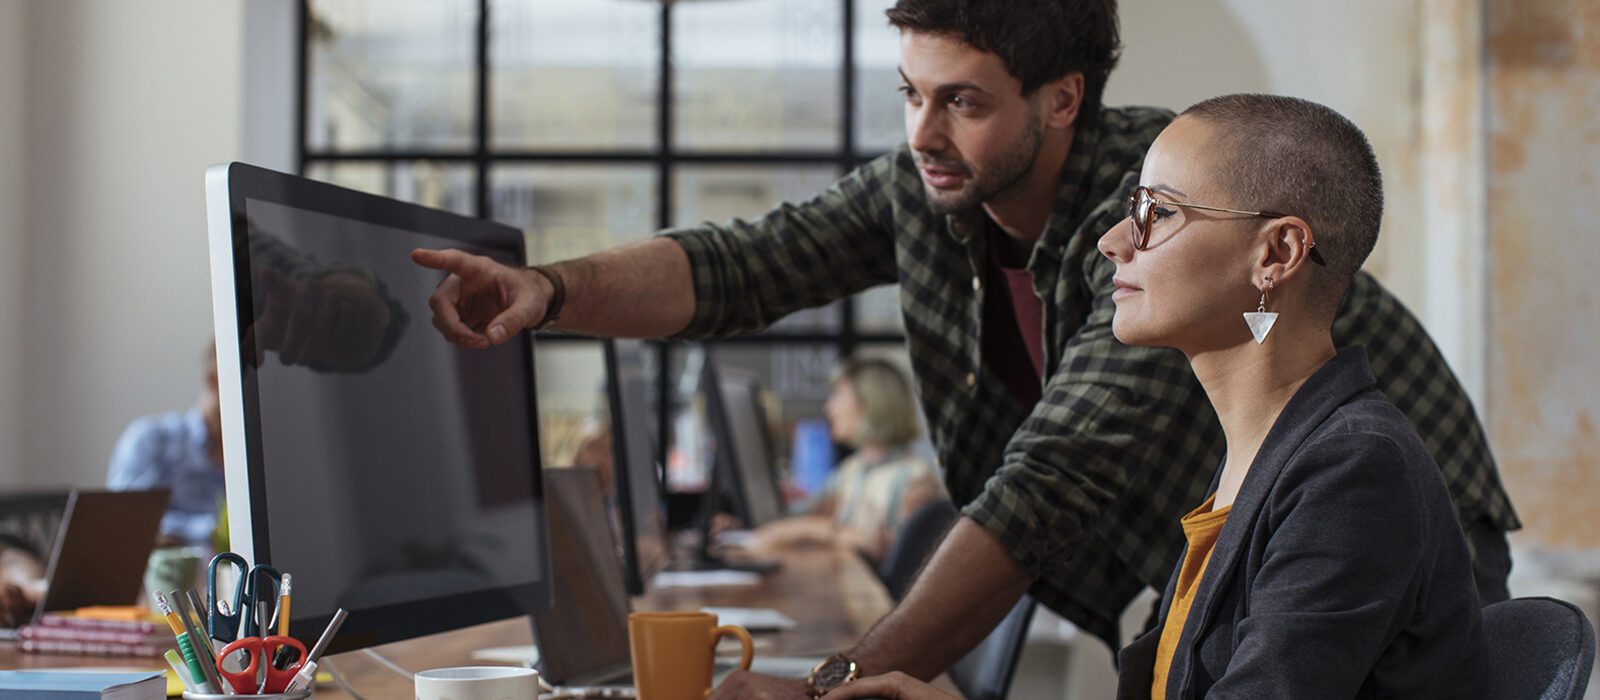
[869, 497]
[180, 451]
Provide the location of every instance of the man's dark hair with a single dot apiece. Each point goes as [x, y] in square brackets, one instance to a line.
[1039, 40]
[1300, 158]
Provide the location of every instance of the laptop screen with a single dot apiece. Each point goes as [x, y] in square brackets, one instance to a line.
[583, 637]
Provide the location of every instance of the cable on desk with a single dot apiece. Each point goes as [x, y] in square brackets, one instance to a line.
[338, 679]
[392, 666]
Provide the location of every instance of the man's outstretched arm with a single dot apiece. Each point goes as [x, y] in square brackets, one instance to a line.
[640, 290]
[704, 281]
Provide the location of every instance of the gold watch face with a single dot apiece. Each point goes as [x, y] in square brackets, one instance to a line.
[834, 672]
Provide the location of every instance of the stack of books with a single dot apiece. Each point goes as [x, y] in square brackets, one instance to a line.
[61, 634]
[74, 685]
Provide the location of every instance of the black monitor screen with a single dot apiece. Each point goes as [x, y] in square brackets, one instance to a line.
[643, 517]
[744, 453]
[392, 473]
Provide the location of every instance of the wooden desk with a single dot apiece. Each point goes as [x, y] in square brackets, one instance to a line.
[831, 593]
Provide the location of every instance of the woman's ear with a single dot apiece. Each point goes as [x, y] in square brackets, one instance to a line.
[1285, 250]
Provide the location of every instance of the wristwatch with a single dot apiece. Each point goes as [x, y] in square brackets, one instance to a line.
[558, 297]
[833, 672]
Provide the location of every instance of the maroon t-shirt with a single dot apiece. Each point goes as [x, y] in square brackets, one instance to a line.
[1013, 320]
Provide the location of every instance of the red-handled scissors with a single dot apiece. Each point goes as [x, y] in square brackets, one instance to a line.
[260, 652]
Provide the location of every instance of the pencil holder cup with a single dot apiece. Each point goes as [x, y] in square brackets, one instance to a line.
[296, 695]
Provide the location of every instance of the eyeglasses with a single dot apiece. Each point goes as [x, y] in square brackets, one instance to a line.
[1143, 205]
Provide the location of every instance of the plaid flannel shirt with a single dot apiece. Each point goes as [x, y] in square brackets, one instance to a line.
[1086, 489]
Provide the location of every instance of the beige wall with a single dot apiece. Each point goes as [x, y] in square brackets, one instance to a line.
[1483, 118]
[123, 106]
[12, 194]
[1364, 58]
[1544, 232]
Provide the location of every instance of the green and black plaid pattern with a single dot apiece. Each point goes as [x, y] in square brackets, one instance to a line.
[1087, 488]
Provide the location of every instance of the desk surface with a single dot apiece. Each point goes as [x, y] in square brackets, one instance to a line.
[831, 593]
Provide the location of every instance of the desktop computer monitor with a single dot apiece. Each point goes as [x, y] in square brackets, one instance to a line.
[392, 473]
[744, 463]
[638, 492]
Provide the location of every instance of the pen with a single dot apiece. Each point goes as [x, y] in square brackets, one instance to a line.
[189, 657]
[263, 627]
[308, 672]
[203, 651]
[204, 618]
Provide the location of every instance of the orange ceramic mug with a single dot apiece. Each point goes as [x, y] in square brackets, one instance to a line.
[673, 653]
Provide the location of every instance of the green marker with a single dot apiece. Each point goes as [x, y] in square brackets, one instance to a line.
[184, 647]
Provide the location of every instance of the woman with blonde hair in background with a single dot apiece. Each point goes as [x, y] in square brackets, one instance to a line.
[869, 497]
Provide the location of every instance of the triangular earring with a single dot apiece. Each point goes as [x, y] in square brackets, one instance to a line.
[1261, 320]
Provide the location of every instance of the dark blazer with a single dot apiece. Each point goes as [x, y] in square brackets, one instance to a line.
[1341, 572]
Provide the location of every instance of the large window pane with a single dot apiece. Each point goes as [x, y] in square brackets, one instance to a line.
[879, 109]
[447, 186]
[396, 74]
[574, 75]
[568, 211]
[719, 193]
[757, 74]
[878, 310]
[571, 378]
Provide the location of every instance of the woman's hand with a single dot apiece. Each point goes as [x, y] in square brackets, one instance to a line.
[796, 531]
[890, 686]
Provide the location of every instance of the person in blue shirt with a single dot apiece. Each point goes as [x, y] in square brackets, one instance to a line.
[180, 451]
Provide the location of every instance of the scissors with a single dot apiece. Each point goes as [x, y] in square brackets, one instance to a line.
[260, 653]
[247, 591]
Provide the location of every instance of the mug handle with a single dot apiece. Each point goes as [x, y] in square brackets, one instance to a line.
[749, 653]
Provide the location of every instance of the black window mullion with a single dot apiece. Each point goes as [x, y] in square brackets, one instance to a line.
[847, 149]
[481, 153]
[302, 87]
[664, 145]
[666, 406]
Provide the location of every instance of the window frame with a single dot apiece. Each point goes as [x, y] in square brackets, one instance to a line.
[664, 158]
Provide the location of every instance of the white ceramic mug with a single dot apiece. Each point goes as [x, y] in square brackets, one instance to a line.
[478, 683]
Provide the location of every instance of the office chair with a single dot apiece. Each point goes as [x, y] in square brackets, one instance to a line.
[985, 672]
[918, 536]
[1539, 648]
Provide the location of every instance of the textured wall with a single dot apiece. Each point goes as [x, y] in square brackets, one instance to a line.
[1544, 239]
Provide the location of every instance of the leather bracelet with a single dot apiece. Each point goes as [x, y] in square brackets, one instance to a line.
[552, 308]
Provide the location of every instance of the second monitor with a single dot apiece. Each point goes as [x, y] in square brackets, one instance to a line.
[638, 492]
[745, 459]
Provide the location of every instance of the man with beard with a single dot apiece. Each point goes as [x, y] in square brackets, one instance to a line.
[1072, 456]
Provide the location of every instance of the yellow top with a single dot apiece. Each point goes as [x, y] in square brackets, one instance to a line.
[1201, 527]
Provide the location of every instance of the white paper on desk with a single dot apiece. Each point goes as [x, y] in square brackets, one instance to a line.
[753, 619]
[736, 538]
[705, 579]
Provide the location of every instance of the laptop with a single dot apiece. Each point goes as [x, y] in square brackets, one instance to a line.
[582, 640]
[101, 549]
